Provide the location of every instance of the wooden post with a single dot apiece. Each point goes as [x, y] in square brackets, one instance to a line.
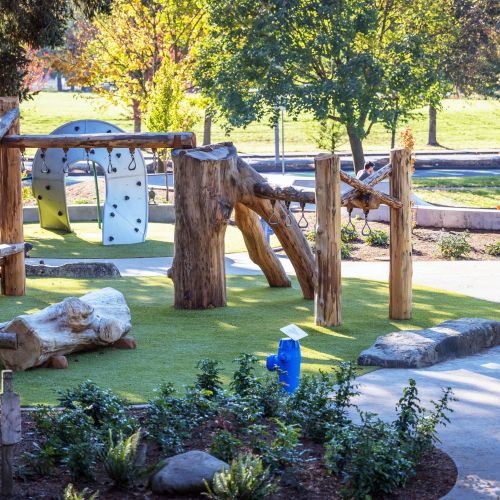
[11, 208]
[401, 269]
[203, 206]
[327, 299]
[10, 427]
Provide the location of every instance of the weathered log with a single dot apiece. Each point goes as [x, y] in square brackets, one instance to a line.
[364, 188]
[97, 319]
[7, 120]
[328, 303]
[6, 250]
[8, 340]
[288, 193]
[401, 269]
[259, 251]
[11, 209]
[370, 181]
[111, 140]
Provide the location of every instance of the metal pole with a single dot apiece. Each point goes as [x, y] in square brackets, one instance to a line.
[97, 195]
[283, 140]
[276, 142]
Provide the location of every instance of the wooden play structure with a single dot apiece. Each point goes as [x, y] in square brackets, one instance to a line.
[210, 183]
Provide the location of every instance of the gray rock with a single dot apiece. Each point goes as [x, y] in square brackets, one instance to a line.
[185, 473]
[419, 348]
[75, 270]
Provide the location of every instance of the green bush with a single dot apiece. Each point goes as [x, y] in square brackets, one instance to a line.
[225, 446]
[377, 238]
[348, 233]
[208, 378]
[121, 458]
[454, 245]
[346, 250]
[493, 249]
[244, 379]
[345, 247]
[70, 493]
[246, 479]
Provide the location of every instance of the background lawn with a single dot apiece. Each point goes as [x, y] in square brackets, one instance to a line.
[462, 123]
[85, 242]
[170, 342]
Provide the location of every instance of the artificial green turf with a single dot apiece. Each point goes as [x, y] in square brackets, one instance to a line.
[478, 117]
[85, 242]
[170, 342]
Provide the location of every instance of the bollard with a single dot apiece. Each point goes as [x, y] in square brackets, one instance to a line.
[288, 362]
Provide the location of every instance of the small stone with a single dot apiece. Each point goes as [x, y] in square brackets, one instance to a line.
[125, 343]
[185, 473]
[58, 362]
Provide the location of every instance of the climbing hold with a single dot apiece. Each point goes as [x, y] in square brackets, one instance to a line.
[127, 197]
[136, 229]
[139, 221]
[115, 205]
[111, 238]
[92, 151]
[39, 196]
[108, 131]
[47, 188]
[112, 214]
[118, 155]
[59, 213]
[139, 183]
[77, 128]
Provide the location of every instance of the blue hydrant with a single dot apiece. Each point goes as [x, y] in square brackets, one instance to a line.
[288, 361]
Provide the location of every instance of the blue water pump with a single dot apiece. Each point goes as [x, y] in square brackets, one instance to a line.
[288, 358]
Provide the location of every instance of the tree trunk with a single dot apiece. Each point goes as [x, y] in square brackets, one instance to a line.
[358, 156]
[137, 115]
[259, 251]
[97, 319]
[59, 82]
[207, 129]
[432, 140]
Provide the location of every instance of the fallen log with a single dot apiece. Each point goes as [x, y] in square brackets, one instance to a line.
[97, 319]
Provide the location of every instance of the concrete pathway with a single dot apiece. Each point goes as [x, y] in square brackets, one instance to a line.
[479, 279]
[472, 438]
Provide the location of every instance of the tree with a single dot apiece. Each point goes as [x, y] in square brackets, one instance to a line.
[27, 25]
[473, 57]
[357, 62]
[130, 44]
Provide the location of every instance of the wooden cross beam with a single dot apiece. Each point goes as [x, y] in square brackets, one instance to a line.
[371, 181]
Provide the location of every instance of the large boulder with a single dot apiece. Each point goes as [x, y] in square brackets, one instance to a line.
[186, 473]
[419, 348]
[75, 270]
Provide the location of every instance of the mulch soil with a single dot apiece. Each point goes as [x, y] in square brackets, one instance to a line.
[436, 475]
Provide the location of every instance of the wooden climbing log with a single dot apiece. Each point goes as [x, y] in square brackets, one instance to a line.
[401, 269]
[7, 120]
[6, 250]
[97, 319]
[112, 140]
[203, 205]
[370, 181]
[11, 208]
[328, 303]
[265, 190]
[259, 251]
[364, 188]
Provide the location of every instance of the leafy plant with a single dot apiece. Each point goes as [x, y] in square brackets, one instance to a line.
[225, 446]
[377, 238]
[121, 458]
[208, 378]
[246, 479]
[454, 245]
[81, 457]
[493, 249]
[345, 250]
[71, 493]
[348, 233]
[244, 379]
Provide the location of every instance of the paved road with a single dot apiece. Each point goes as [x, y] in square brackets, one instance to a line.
[480, 279]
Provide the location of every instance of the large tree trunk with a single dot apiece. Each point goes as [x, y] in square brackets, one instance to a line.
[432, 140]
[59, 82]
[137, 115]
[358, 156]
[259, 251]
[97, 319]
[207, 128]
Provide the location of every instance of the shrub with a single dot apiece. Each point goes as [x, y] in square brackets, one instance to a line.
[70, 493]
[246, 479]
[121, 458]
[81, 457]
[454, 245]
[208, 378]
[244, 379]
[348, 233]
[225, 446]
[377, 238]
[493, 249]
[346, 250]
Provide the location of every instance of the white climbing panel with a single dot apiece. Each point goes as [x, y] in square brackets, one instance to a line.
[125, 213]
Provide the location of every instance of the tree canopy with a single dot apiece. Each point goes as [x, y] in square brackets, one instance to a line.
[357, 62]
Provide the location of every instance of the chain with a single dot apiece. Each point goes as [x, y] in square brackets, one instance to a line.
[367, 230]
[350, 225]
[132, 165]
[110, 161]
[45, 167]
[303, 224]
[273, 219]
[288, 215]
[23, 159]
[65, 161]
